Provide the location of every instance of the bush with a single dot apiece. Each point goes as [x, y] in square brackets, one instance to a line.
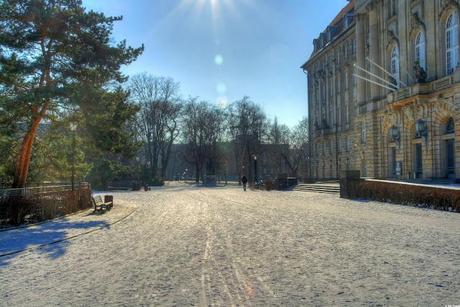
[268, 184]
[136, 186]
[16, 210]
[404, 194]
[157, 182]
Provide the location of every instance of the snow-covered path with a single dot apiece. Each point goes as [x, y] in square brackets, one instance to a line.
[191, 246]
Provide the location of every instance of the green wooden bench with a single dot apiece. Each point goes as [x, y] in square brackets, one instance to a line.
[102, 205]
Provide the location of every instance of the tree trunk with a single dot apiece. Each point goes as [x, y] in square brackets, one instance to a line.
[25, 153]
[197, 173]
[165, 159]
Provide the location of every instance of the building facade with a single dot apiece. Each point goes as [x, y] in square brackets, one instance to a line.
[384, 91]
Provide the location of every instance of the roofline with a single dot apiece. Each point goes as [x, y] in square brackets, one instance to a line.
[346, 9]
[319, 53]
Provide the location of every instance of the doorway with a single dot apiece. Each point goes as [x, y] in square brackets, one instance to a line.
[450, 158]
[418, 161]
[393, 162]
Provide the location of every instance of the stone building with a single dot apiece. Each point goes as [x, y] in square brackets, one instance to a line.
[384, 91]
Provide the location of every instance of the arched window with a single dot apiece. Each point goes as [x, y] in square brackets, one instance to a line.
[452, 43]
[394, 62]
[420, 56]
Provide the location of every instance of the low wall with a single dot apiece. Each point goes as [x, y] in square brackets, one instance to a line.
[426, 196]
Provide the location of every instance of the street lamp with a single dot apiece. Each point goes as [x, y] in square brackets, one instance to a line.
[395, 134]
[73, 128]
[421, 129]
[255, 169]
[184, 176]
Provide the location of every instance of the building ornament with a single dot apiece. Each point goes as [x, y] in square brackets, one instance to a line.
[416, 24]
[445, 107]
[448, 5]
[409, 113]
[392, 39]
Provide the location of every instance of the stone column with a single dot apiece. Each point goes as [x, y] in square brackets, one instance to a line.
[374, 48]
[360, 56]
[326, 93]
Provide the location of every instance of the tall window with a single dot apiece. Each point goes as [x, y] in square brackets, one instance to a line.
[363, 133]
[452, 43]
[392, 8]
[394, 69]
[420, 56]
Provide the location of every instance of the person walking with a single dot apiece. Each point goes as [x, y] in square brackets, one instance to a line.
[244, 180]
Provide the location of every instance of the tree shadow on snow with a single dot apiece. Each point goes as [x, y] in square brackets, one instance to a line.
[48, 238]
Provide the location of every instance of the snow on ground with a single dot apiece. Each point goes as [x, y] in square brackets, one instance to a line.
[194, 246]
[32, 237]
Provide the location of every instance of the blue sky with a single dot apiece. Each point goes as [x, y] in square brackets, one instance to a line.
[221, 50]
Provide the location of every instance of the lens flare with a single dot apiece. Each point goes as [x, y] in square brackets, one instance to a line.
[219, 59]
[221, 88]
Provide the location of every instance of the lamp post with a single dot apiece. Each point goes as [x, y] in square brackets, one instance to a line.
[73, 128]
[255, 169]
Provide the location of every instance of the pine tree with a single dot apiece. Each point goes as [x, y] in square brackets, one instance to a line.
[48, 48]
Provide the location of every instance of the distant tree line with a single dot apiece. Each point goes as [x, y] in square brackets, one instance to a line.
[165, 118]
[65, 106]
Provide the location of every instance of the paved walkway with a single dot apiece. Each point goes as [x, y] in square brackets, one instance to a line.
[192, 246]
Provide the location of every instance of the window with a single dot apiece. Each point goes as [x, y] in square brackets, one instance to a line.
[420, 56]
[452, 43]
[392, 8]
[363, 133]
[394, 68]
[347, 112]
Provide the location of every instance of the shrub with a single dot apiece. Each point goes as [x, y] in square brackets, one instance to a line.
[16, 210]
[404, 194]
[268, 184]
[157, 182]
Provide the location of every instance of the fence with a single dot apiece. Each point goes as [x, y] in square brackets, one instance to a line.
[35, 204]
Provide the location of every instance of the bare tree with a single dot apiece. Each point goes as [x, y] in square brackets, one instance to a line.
[158, 120]
[246, 121]
[297, 152]
[203, 127]
[278, 136]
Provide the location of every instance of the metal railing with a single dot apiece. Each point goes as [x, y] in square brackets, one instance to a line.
[29, 191]
[34, 204]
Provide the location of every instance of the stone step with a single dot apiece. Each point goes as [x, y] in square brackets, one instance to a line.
[318, 188]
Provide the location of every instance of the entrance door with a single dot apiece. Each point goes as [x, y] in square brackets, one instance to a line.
[418, 161]
[450, 157]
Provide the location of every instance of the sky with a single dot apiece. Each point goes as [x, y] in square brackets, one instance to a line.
[222, 50]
